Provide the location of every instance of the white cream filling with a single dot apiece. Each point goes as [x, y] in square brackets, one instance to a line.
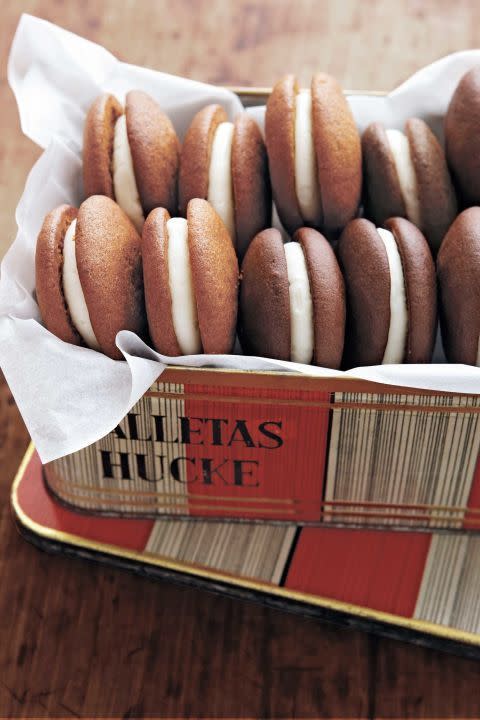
[124, 183]
[72, 289]
[397, 333]
[220, 186]
[301, 306]
[306, 179]
[184, 308]
[400, 148]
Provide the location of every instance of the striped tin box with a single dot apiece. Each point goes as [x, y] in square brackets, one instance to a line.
[419, 586]
[282, 447]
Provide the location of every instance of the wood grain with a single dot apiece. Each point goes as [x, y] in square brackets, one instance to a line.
[78, 639]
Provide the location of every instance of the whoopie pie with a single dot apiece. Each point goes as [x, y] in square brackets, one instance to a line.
[131, 155]
[292, 299]
[191, 281]
[458, 271]
[226, 164]
[391, 293]
[88, 271]
[406, 175]
[314, 154]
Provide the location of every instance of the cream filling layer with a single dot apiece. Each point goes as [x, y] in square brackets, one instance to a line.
[301, 306]
[72, 289]
[220, 186]
[397, 333]
[184, 308]
[124, 183]
[400, 149]
[306, 179]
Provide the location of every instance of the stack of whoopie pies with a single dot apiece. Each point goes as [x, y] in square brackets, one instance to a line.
[155, 246]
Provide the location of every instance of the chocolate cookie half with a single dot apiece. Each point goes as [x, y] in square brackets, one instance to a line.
[89, 275]
[458, 270]
[462, 137]
[314, 154]
[292, 299]
[226, 164]
[191, 281]
[131, 155]
[391, 293]
[406, 175]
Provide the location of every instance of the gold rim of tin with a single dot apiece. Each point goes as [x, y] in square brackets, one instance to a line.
[264, 92]
[323, 383]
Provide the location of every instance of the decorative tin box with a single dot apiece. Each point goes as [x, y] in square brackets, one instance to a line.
[243, 445]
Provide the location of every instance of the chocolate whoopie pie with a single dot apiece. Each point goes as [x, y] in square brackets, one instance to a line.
[391, 293]
[292, 299]
[226, 164]
[458, 271]
[89, 275]
[191, 281]
[314, 154]
[131, 155]
[406, 175]
[462, 137]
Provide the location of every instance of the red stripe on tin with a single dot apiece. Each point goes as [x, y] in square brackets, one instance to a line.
[472, 522]
[256, 460]
[40, 507]
[377, 569]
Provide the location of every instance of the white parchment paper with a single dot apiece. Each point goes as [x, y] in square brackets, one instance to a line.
[70, 396]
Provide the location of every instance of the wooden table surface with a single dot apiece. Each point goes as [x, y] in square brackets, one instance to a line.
[81, 640]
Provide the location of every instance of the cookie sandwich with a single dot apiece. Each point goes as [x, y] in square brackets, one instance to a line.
[191, 281]
[292, 299]
[406, 175]
[314, 154]
[458, 271]
[88, 272]
[131, 155]
[391, 293]
[226, 164]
